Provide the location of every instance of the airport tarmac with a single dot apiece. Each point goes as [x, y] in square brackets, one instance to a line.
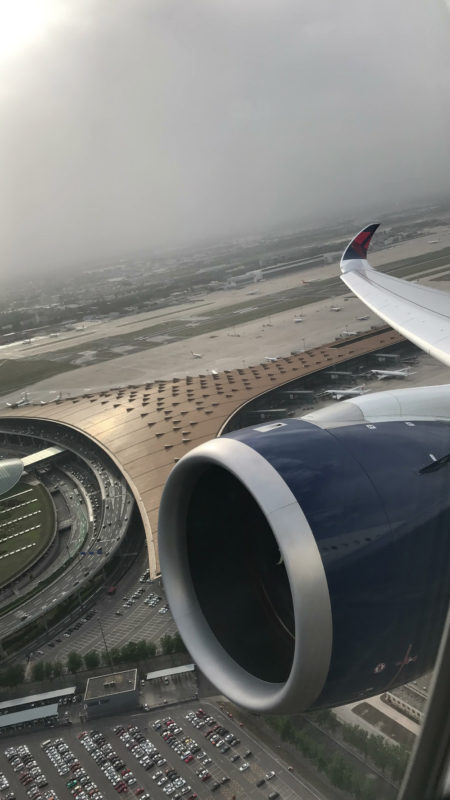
[239, 345]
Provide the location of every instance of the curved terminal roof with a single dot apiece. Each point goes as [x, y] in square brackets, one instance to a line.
[146, 429]
[10, 472]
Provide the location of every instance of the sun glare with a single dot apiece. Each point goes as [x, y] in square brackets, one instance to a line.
[24, 21]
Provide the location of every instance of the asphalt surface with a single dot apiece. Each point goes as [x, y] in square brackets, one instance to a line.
[241, 784]
[140, 621]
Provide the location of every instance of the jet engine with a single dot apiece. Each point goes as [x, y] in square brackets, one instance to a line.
[306, 561]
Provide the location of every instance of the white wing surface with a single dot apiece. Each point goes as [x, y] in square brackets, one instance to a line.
[417, 312]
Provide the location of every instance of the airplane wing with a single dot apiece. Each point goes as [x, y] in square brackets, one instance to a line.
[419, 313]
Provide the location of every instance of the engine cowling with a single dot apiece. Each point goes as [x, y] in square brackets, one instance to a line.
[306, 564]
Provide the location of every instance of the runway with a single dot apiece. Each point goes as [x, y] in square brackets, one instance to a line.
[235, 344]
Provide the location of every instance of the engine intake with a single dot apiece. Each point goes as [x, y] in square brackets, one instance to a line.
[307, 566]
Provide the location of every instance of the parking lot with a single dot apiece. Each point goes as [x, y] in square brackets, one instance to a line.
[190, 754]
[137, 620]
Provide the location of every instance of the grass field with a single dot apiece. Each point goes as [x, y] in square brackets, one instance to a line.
[17, 373]
[26, 527]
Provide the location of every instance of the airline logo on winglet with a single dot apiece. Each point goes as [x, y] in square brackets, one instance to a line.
[359, 246]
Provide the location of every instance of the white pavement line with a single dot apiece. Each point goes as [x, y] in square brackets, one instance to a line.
[19, 494]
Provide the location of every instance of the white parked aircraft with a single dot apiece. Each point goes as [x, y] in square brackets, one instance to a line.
[342, 394]
[197, 355]
[384, 374]
[24, 401]
[335, 308]
[298, 319]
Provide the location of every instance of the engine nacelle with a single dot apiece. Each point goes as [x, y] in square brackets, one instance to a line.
[307, 564]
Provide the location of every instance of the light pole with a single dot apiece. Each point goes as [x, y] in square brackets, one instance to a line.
[104, 642]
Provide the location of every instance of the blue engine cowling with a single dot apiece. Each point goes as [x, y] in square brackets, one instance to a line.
[308, 566]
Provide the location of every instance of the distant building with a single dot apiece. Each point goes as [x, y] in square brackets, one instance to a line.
[268, 413]
[299, 395]
[111, 694]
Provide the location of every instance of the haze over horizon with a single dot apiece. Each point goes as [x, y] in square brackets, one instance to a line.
[132, 126]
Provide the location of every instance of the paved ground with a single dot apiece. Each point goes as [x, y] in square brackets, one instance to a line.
[240, 345]
[138, 622]
[241, 784]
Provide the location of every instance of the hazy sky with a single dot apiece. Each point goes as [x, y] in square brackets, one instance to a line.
[133, 123]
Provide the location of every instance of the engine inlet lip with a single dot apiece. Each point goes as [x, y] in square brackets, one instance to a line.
[304, 567]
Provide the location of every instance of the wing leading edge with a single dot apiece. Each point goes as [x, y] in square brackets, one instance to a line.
[419, 313]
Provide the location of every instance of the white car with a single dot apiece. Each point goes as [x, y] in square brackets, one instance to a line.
[243, 767]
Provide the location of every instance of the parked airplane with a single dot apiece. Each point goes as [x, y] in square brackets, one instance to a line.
[197, 355]
[298, 319]
[307, 561]
[335, 308]
[383, 374]
[340, 394]
[24, 401]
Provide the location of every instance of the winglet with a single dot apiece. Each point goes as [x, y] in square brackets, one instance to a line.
[358, 247]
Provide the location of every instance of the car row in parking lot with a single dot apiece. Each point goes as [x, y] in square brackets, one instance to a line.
[113, 767]
[188, 749]
[149, 757]
[81, 786]
[4, 783]
[177, 756]
[151, 600]
[221, 738]
[30, 775]
[75, 627]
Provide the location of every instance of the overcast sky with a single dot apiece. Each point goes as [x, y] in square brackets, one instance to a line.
[128, 124]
